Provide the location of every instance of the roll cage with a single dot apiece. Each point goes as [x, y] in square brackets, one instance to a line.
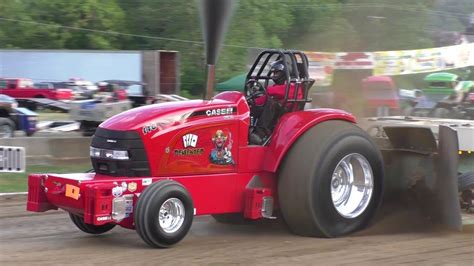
[296, 72]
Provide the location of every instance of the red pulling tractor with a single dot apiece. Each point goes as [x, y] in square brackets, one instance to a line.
[157, 166]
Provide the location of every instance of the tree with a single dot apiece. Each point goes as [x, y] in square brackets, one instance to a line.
[258, 24]
[320, 26]
[384, 25]
[254, 24]
[312, 25]
[12, 33]
[47, 24]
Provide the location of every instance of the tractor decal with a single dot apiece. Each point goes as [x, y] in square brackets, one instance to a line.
[189, 151]
[224, 111]
[221, 154]
[132, 186]
[220, 111]
[190, 140]
[149, 128]
[189, 144]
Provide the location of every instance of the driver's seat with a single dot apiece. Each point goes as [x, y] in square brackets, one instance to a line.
[267, 117]
[297, 83]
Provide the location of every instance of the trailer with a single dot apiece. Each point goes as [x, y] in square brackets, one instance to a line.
[35, 103]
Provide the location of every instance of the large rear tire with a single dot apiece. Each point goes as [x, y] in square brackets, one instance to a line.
[90, 228]
[317, 195]
[164, 214]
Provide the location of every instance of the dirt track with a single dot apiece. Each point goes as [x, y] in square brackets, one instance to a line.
[51, 238]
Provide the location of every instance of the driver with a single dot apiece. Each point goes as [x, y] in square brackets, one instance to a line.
[268, 107]
[277, 91]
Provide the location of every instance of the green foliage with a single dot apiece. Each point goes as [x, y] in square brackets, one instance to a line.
[314, 25]
[58, 20]
[12, 34]
[18, 182]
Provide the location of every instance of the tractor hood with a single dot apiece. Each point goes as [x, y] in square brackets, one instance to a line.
[165, 115]
[132, 143]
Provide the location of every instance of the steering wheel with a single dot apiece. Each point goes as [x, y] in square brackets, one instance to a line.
[253, 90]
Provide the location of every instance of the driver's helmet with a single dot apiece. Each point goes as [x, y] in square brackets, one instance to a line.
[277, 70]
[102, 86]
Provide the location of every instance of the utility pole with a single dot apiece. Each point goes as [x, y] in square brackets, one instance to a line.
[469, 32]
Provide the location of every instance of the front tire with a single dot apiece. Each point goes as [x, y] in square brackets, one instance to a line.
[164, 214]
[90, 228]
[88, 129]
[7, 128]
[326, 167]
[441, 112]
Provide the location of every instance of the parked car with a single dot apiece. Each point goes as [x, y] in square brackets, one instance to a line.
[82, 89]
[138, 94]
[459, 104]
[113, 97]
[135, 90]
[43, 85]
[107, 101]
[112, 91]
[14, 118]
[446, 96]
[7, 105]
[381, 96]
[24, 88]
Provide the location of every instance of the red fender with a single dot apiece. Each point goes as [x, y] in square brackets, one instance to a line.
[292, 125]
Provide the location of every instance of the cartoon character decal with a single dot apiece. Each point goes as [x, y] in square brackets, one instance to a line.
[221, 154]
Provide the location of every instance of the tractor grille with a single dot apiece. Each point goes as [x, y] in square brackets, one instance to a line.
[130, 141]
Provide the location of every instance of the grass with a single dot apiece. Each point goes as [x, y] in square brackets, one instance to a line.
[18, 182]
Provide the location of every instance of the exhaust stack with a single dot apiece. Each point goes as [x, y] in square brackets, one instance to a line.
[215, 16]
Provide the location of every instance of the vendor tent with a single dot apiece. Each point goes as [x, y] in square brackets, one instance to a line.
[234, 84]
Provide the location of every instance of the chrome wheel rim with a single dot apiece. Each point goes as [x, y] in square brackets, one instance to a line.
[171, 216]
[352, 184]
